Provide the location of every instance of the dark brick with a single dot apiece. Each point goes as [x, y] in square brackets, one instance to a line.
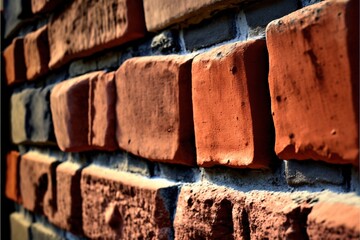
[219, 29]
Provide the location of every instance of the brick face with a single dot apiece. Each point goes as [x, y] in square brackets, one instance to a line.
[36, 53]
[158, 124]
[12, 187]
[15, 69]
[160, 14]
[314, 82]
[231, 104]
[89, 26]
[121, 205]
[37, 181]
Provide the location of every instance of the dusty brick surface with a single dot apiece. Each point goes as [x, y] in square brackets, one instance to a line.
[69, 102]
[231, 105]
[36, 53]
[12, 186]
[160, 14]
[20, 227]
[41, 6]
[14, 62]
[37, 181]
[102, 99]
[154, 115]
[86, 27]
[20, 111]
[334, 221]
[65, 209]
[275, 216]
[314, 82]
[208, 212]
[119, 205]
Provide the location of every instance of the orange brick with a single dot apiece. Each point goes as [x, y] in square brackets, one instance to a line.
[12, 188]
[314, 82]
[15, 69]
[231, 104]
[154, 115]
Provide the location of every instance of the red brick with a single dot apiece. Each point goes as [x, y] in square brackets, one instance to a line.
[36, 53]
[276, 216]
[65, 210]
[102, 115]
[41, 6]
[154, 115]
[12, 187]
[160, 14]
[334, 221]
[314, 82]
[208, 212]
[69, 102]
[89, 26]
[119, 205]
[15, 69]
[37, 181]
[231, 105]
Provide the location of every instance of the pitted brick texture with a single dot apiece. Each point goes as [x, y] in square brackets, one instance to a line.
[89, 26]
[209, 212]
[314, 82]
[37, 182]
[36, 53]
[118, 205]
[14, 60]
[231, 102]
[12, 187]
[154, 115]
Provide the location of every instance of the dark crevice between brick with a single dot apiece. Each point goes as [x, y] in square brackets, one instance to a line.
[40, 190]
[223, 224]
[75, 221]
[53, 200]
[346, 173]
[245, 225]
[296, 223]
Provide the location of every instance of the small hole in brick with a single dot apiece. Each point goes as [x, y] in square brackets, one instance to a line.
[190, 202]
[208, 203]
[129, 141]
[291, 135]
[333, 132]
[278, 98]
[233, 69]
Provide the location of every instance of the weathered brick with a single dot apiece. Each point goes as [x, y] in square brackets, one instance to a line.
[102, 99]
[42, 232]
[36, 53]
[119, 205]
[37, 181]
[315, 92]
[86, 27]
[65, 209]
[218, 29]
[154, 115]
[41, 6]
[88, 124]
[160, 14]
[21, 115]
[276, 216]
[206, 212]
[15, 13]
[41, 124]
[14, 60]
[334, 220]
[12, 187]
[69, 102]
[231, 105]
[20, 227]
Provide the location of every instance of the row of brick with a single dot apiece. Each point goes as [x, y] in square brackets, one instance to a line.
[86, 27]
[103, 203]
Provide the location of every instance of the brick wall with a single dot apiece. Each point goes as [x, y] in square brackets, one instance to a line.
[157, 119]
